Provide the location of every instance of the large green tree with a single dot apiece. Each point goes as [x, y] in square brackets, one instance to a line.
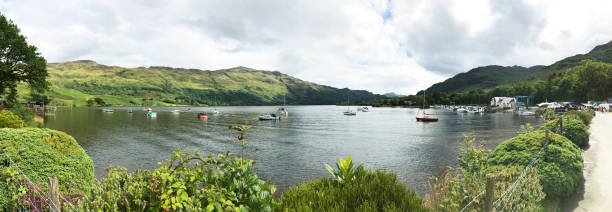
[19, 62]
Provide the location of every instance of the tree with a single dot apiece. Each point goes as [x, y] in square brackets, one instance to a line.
[100, 101]
[19, 62]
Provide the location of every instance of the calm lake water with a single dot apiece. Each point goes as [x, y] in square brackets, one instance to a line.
[292, 150]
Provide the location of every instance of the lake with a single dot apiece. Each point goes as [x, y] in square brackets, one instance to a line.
[292, 150]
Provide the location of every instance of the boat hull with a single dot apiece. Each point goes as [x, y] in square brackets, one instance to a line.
[427, 119]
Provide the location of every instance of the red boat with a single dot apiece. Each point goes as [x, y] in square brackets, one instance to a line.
[202, 116]
[424, 116]
[427, 119]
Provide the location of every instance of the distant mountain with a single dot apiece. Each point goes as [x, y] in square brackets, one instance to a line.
[76, 82]
[493, 75]
[392, 94]
[484, 77]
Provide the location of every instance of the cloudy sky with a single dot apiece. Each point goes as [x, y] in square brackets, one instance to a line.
[377, 45]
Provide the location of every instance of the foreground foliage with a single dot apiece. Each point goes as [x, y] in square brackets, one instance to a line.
[573, 129]
[463, 187]
[559, 167]
[10, 120]
[39, 153]
[583, 115]
[368, 191]
[184, 182]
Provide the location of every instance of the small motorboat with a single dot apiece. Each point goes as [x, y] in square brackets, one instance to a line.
[350, 113]
[108, 110]
[202, 116]
[461, 110]
[268, 117]
[216, 112]
[130, 110]
[526, 113]
[152, 114]
[363, 109]
[149, 110]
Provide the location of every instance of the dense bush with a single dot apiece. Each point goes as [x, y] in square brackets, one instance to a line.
[573, 129]
[559, 167]
[583, 115]
[40, 153]
[368, 191]
[10, 120]
[460, 188]
[26, 114]
[184, 182]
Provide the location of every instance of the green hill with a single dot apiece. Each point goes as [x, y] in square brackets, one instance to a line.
[76, 82]
[601, 53]
[493, 75]
[484, 77]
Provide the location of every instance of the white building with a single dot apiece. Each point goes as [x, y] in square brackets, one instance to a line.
[503, 102]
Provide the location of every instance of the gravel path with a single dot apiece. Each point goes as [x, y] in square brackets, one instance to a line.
[598, 167]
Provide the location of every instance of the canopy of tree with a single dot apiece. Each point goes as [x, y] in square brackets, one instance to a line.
[19, 62]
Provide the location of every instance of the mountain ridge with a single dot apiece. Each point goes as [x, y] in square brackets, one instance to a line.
[74, 82]
[491, 76]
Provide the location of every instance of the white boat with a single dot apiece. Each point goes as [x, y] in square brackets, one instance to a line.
[526, 113]
[481, 110]
[108, 110]
[462, 110]
[175, 111]
[350, 113]
[269, 117]
[283, 111]
[363, 109]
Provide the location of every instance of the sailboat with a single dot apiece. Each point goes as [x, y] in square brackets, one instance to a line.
[423, 116]
[215, 111]
[283, 110]
[348, 111]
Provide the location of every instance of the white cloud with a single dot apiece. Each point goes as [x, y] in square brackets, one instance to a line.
[357, 44]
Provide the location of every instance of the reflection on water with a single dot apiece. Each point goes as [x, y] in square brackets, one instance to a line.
[291, 150]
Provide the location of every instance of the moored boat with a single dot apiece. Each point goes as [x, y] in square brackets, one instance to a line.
[202, 116]
[269, 117]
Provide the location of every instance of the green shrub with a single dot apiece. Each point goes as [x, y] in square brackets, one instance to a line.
[10, 120]
[559, 167]
[369, 191]
[40, 153]
[582, 115]
[26, 114]
[573, 129]
[460, 188]
[185, 182]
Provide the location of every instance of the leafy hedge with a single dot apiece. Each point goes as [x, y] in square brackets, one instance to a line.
[40, 153]
[369, 191]
[583, 115]
[559, 168]
[573, 129]
[185, 182]
[10, 120]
